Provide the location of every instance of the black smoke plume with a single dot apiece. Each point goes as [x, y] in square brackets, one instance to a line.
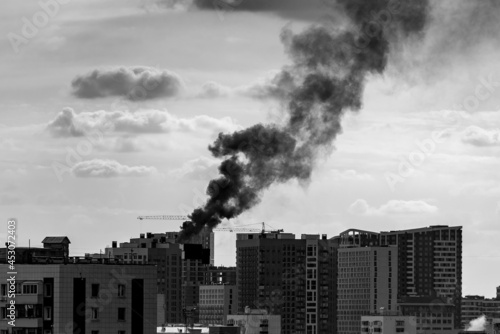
[329, 67]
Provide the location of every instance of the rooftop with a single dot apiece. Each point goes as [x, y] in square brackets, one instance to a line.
[56, 240]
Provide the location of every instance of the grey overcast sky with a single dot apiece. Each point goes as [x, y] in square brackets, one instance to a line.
[107, 108]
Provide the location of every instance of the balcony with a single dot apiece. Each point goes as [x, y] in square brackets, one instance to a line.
[29, 299]
[29, 322]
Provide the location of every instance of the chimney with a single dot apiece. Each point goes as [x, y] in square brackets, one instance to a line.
[141, 235]
[113, 244]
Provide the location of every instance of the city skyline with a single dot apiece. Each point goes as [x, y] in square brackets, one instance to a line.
[438, 101]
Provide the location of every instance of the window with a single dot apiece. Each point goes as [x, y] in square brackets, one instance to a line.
[30, 289]
[95, 290]
[94, 332]
[121, 290]
[95, 313]
[4, 289]
[4, 312]
[121, 314]
[400, 330]
[121, 332]
[47, 290]
[47, 313]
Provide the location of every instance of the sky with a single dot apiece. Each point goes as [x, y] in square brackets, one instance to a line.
[107, 109]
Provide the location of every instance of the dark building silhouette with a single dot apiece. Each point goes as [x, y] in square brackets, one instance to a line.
[294, 278]
[181, 268]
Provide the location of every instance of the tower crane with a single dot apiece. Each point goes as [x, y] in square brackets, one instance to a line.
[229, 229]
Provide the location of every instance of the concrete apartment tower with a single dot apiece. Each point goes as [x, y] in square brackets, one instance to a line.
[366, 281]
[293, 278]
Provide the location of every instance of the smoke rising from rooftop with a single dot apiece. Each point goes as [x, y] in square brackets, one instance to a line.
[327, 77]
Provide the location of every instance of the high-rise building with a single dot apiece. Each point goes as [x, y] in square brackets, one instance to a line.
[216, 302]
[76, 295]
[430, 263]
[366, 284]
[180, 267]
[220, 275]
[290, 277]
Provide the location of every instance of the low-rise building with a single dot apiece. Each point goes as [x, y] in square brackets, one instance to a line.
[256, 322]
[79, 298]
[475, 306]
[388, 324]
[44, 293]
[434, 315]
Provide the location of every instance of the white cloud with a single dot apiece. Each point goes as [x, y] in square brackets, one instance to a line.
[361, 207]
[478, 188]
[70, 124]
[275, 84]
[109, 168]
[213, 89]
[477, 136]
[133, 83]
[349, 174]
[202, 168]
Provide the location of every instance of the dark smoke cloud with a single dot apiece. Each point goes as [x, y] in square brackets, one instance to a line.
[132, 83]
[329, 67]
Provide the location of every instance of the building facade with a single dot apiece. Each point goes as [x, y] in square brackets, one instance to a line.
[475, 306]
[80, 297]
[388, 324]
[216, 302]
[180, 268]
[255, 321]
[435, 315]
[293, 278]
[366, 283]
[430, 263]
[220, 275]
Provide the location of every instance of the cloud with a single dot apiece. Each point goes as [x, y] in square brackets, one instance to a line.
[213, 89]
[109, 168]
[70, 124]
[66, 125]
[349, 174]
[477, 136]
[276, 84]
[202, 168]
[80, 219]
[488, 188]
[361, 207]
[133, 83]
[298, 9]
